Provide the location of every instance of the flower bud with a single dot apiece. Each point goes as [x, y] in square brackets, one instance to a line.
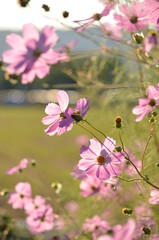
[127, 211]
[23, 3]
[33, 162]
[146, 230]
[154, 114]
[46, 7]
[65, 14]
[118, 122]
[118, 149]
[138, 38]
[157, 164]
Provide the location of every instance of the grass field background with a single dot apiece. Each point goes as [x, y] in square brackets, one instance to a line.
[22, 135]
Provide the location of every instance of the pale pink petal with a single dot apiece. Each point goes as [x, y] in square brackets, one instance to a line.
[63, 100]
[102, 173]
[53, 128]
[15, 41]
[151, 92]
[49, 119]
[95, 146]
[30, 32]
[84, 164]
[109, 143]
[52, 109]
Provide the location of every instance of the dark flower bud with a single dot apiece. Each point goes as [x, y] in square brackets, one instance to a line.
[23, 3]
[118, 122]
[146, 230]
[127, 211]
[157, 164]
[46, 7]
[118, 149]
[154, 114]
[33, 162]
[138, 38]
[65, 14]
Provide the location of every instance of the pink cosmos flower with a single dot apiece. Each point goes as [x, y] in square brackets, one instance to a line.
[125, 232]
[99, 160]
[96, 17]
[144, 228]
[22, 165]
[90, 186]
[82, 139]
[146, 105]
[154, 197]
[133, 18]
[128, 167]
[41, 221]
[35, 205]
[96, 226]
[21, 196]
[31, 55]
[77, 114]
[152, 9]
[111, 31]
[56, 114]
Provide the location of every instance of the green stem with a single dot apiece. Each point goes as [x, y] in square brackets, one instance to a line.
[130, 180]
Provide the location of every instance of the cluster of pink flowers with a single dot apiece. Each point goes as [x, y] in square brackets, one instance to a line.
[61, 118]
[39, 214]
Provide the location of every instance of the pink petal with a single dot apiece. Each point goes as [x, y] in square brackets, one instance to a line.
[52, 109]
[15, 41]
[102, 173]
[30, 32]
[52, 129]
[85, 164]
[151, 92]
[63, 100]
[109, 143]
[95, 146]
[49, 119]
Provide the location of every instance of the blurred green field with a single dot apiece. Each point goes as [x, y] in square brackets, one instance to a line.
[22, 135]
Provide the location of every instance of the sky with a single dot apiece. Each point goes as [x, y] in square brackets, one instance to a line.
[13, 17]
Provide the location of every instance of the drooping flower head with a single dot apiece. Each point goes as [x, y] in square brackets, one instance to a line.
[132, 18]
[31, 55]
[85, 23]
[98, 160]
[146, 105]
[22, 165]
[56, 114]
[21, 196]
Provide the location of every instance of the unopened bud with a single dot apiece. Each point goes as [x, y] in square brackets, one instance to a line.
[65, 14]
[157, 164]
[33, 162]
[118, 149]
[138, 38]
[146, 230]
[127, 211]
[46, 7]
[23, 3]
[118, 122]
[154, 114]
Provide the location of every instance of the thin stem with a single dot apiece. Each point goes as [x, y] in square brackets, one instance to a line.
[95, 128]
[143, 156]
[130, 180]
[122, 144]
